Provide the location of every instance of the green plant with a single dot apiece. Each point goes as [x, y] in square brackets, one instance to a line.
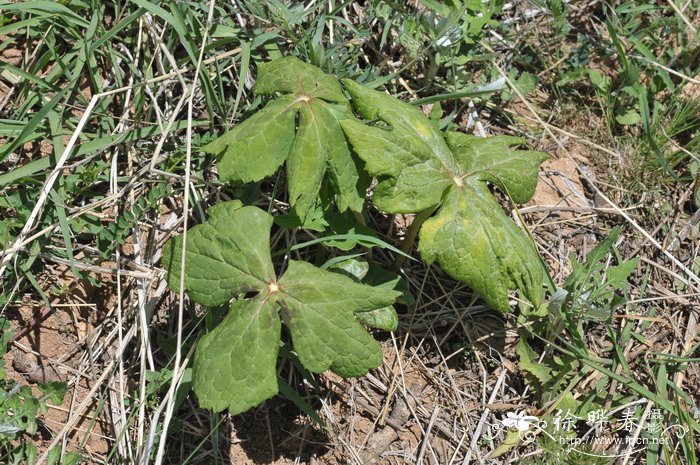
[19, 411]
[419, 170]
[589, 295]
[583, 308]
[371, 274]
[234, 365]
[440, 38]
[315, 146]
[115, 233]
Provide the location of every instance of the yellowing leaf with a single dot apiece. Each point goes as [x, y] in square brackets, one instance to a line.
[418, 168]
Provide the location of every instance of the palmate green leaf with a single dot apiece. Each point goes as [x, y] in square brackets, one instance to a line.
[227, 255]
[239, 356]
[384, 318]
[234, 365]
[419, 168]
[405, 158]
[300, 127]
[319, 309]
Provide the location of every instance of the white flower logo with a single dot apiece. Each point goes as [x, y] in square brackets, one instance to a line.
[519, 421]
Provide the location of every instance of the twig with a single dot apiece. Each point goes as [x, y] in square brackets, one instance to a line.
[426, 436]
[170, 405]
[484, 416]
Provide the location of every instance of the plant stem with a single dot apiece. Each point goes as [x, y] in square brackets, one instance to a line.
[410, 238]
[360, 218]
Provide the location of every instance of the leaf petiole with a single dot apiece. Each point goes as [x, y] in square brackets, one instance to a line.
[410, 238]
